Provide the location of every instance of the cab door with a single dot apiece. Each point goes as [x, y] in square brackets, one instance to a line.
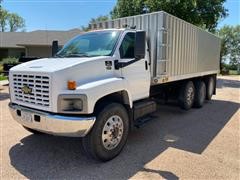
[137, 73]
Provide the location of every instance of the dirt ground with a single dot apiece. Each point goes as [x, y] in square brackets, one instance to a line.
[198, 144]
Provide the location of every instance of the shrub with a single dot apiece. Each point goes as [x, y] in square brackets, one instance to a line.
[9, 60]
[2, 77]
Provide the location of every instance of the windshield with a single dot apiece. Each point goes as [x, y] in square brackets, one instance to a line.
[100, 43]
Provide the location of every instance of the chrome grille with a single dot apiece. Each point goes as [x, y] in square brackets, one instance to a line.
[39, 86]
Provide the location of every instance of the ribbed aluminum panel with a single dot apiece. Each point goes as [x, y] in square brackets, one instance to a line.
[177, 48]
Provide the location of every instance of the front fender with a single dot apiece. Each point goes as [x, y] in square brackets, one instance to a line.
[100, 88]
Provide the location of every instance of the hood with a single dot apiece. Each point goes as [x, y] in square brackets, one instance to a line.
[48, 65]
[60, 71]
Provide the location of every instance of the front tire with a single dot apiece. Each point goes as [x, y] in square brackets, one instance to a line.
[109, 133]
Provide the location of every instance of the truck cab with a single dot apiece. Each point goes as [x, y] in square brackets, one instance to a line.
[99, 73]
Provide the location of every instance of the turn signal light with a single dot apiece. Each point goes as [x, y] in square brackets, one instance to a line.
[72, 85]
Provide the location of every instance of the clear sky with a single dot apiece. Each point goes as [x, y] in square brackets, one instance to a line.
[68, 14]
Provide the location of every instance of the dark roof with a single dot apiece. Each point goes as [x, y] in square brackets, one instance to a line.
[36, 38]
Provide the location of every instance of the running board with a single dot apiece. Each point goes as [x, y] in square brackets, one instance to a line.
[141, 109]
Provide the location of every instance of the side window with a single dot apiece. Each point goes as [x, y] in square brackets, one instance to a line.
[127, 47]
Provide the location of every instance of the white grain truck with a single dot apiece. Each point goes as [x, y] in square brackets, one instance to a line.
[102, 82]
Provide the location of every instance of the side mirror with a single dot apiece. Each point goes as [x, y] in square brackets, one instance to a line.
[140, 44]
[54, 48]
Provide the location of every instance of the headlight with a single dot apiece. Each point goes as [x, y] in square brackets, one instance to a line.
[71, 103]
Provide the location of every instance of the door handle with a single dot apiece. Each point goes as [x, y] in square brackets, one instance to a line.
[146, 65]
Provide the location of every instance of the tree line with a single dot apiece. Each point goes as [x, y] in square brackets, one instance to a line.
[202, 13]
[230, 47]
[205, 14]
[10, 21]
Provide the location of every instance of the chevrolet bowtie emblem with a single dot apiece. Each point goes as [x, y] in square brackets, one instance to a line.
[26, 89]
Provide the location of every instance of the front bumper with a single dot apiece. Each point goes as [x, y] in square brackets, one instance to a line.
[50, 123]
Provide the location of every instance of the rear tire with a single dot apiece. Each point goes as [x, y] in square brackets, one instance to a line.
[186, 95]
[210, 88]
[200, 94]
[109, 133]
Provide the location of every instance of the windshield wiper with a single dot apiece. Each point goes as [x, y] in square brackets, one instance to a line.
[77, 55]
[58, 55]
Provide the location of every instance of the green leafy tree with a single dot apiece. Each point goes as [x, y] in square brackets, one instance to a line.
[94, 20]
[230, 47]
[0, 8]
[15, 22]
[3, 19]
[128, 8]
[99, 18]
[203, 13]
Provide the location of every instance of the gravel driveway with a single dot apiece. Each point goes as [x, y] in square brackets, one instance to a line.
[198, 144]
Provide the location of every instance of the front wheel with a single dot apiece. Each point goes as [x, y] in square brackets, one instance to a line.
[109, 134]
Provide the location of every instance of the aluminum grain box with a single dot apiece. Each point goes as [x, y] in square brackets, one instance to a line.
[178, 49]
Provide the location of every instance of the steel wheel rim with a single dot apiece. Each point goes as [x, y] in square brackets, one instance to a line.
[190, 95]
[112, 132]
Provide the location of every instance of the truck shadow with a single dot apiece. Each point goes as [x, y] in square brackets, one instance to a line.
[3, 96]
[3, 92]
[63, 158]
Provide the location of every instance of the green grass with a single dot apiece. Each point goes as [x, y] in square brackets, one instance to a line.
[2, 77]
[233, 72]
[1, 68]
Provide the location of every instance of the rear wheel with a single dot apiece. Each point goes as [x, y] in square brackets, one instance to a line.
[210, 88]
[200, 94]
[109, 134]
[186, 95]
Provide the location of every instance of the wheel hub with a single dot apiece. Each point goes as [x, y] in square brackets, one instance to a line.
[190, 95]
[115, 132]
[112, 132]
